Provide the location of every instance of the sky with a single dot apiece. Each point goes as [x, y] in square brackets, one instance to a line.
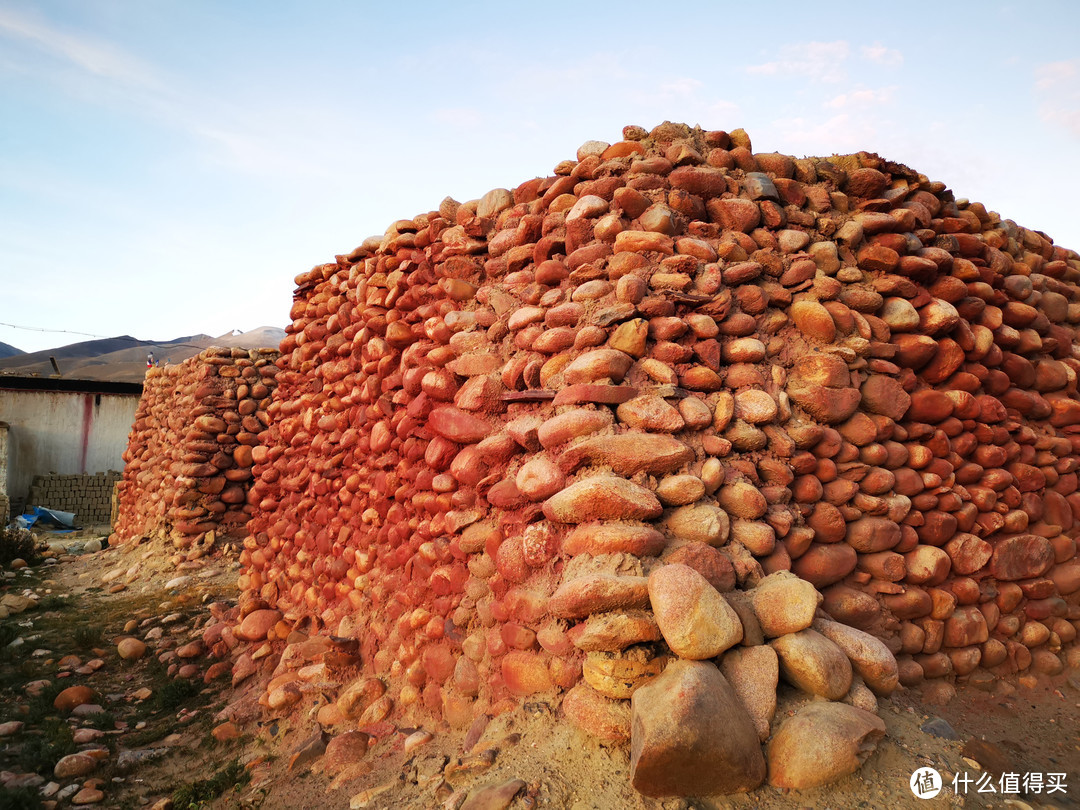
[168, 166]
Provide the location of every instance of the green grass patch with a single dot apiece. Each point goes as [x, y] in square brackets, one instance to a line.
[178, 694]
[103, 721]
[9, 631]
[23, 798]
[53, 602]
[39, 753]
[41, 706]
[88, 636]
[198, 794]
[19, 544]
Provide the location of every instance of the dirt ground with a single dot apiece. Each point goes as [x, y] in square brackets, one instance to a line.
[1027, 728]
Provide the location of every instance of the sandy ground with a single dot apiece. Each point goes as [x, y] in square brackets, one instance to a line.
[1022, 729]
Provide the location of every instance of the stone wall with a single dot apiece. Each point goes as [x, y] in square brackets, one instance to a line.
[197, 431]
[89, 497]
[512, 434]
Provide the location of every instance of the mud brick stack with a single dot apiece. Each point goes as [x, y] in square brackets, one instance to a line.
[197, 432]
[87, 496]
[678, 421]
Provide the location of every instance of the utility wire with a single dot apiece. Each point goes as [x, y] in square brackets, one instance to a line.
[164, 343]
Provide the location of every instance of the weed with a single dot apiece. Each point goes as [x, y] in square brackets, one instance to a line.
[40, 753]
[53, 602]
[105, 721]
[177, 694]
[19, 544]
[41, 706]
[197, 794]
[88, 636]
[23, 798]
[8, 633]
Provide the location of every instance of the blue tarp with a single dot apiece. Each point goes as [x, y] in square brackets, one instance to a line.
[38, 514]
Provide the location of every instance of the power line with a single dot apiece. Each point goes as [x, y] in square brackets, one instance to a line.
[163, 343]
[41, 329]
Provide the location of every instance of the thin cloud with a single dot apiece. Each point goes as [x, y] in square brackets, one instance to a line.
[839, 133]
[683, 86]
[879, 54]
[458, 117]
[1054, 73]
[93, 56]
[1057, 86]
[236, 136]
[862, 98]
[688, 100]
[817, 61]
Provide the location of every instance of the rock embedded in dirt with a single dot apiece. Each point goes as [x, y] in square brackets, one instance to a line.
[821, 743]
[224, 732]
[88, 796]
[72, 697]
[494, 797]
[74, 765]
[691, 736]
[131, 649]
[599, 716]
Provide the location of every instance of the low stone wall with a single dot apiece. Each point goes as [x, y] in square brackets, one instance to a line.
[197, 432]
[89, 497]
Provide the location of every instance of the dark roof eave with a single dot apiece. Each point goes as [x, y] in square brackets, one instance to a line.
[16, 383]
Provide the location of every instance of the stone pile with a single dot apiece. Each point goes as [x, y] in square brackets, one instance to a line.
[623, 427]
[199, 429]
[89, 497]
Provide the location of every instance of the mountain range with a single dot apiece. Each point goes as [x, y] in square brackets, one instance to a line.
[7, 350]
[123, 358]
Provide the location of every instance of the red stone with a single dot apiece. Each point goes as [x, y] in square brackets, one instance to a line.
[629, 453]
[525, 673]
[596, 593]
[1021, 557]
[457, 425]
[614, 538]
[735, 214]
[823, 565]
[708, 561]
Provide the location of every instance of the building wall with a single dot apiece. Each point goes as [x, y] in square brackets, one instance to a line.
[63, 432]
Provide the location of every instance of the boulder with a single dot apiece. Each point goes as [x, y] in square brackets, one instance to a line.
[699, 523]
[602, 717]
[753, 673]
[691, 736]
[809, 661]
[1021, 557]
[694, 618]
[710, 562]
[869, 656]
[784, 603]
[821, 743]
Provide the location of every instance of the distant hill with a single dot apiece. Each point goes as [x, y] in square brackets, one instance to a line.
[9, 351]
[123, 358]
